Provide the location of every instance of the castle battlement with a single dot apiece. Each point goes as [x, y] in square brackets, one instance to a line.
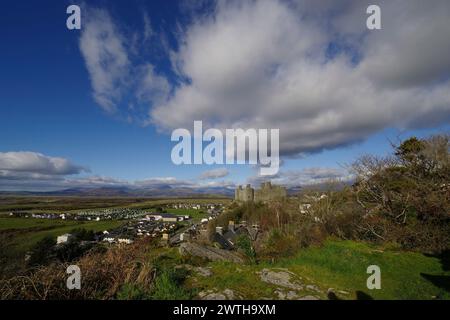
[266, 193]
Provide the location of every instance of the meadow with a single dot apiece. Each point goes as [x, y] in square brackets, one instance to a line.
[20, 234]
[57, 204]
[38, 204]
[195, 214]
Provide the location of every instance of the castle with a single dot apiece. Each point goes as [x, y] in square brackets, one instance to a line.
[265, 194]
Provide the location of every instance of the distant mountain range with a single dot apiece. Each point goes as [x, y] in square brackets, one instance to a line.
[159, 191]
[154, 192]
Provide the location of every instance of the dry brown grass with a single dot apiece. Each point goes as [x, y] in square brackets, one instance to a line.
[102, 276]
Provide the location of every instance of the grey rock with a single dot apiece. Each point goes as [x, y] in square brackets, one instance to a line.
[214, 296]
[344, 292]
[289, 295]
[280, 278]
[227, 294]
[204, 271]
[309, 298]
[313, 287]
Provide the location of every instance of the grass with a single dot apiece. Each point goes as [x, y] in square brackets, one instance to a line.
[25, 232]
[340, 265]
[343, 264]
[73, 204]
[62, 204]
[25, 223]
[196, 215]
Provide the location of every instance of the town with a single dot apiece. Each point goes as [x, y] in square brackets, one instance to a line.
[163, 222]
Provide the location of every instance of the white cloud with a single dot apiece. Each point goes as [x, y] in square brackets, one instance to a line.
[151, 87]
[116, 80]
[104, 52]
[310, 68]
[25, 162]
[268, 64]
[148, 30]
[305, 177]
[162, 182]
[38, 172]
[214, 173]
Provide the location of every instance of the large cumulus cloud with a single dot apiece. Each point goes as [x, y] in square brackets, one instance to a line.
[312, 69]
[26, 162]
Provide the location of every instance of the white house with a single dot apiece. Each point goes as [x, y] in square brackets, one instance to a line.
[109, 239]
[125, 240]
[63, 238]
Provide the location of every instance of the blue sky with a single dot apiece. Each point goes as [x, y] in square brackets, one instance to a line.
[185, 61]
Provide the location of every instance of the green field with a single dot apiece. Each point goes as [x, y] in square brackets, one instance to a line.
[61, 204]
[196, 215]
[20, 234]
[340, 265]
[73, 204]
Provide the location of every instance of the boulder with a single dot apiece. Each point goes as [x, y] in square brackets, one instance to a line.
[204, 271]
[227, 294]
[280, 278]
[309, 298]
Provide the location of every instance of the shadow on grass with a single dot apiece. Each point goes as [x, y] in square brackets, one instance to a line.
[440, 281]
[360, 295]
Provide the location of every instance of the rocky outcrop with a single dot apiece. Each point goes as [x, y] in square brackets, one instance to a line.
[282, 278]
[210, 253]
[289, 285]
[226, 294]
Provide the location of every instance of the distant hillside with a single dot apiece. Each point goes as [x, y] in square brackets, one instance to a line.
[159, 192]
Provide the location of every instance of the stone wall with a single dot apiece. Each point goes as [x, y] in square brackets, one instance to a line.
[266, 193]
[244, 194]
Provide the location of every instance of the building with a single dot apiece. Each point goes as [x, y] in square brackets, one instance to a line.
[165, 217]
[266, 193]
[244, 194]
[168, 217]
[63, 238]
[184, 236]
[125, 240]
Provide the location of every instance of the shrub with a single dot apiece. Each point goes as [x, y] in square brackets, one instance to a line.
[130, 291]
[103, 276]
[244, 243]
[167, 285]
[406, 197]
[279, 244]
[82, 234]
[42, 252]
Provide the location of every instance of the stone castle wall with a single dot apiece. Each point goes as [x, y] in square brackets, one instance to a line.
[266, 193]
[244, 194]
